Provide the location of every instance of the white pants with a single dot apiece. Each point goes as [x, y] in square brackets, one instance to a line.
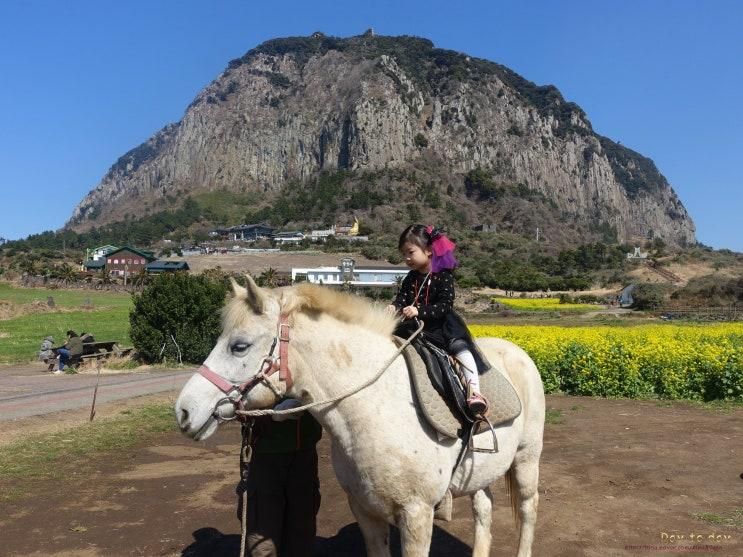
[469, 367]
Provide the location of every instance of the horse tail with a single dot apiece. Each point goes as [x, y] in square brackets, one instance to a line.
[512, 489]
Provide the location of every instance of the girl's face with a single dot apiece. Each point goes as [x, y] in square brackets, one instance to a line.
[417, 258]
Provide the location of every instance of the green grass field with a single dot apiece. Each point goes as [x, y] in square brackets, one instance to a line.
[64, 298]
[20, 337]
[544, 305]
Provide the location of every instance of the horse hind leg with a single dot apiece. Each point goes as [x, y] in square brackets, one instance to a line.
[415, 522]
[523, 483]
[376, 531]
[482, 506]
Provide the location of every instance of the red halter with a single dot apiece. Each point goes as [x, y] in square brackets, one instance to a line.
[270, 365]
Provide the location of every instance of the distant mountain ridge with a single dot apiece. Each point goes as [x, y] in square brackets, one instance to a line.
[468, 131]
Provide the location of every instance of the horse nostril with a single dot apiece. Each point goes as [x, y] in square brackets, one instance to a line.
[183, 419]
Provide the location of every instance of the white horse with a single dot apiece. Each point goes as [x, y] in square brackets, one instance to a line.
[390, 463]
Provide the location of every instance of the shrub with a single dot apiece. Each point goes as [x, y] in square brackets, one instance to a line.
[648, 296]
[469, 281]
[480, 183]
[373, 252]
[420, 141]
[177, 311]
[394, 257]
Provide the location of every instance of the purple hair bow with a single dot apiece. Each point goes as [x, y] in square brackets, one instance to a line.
[442, 249]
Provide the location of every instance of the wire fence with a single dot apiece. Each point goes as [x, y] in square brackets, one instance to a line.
[733, 312]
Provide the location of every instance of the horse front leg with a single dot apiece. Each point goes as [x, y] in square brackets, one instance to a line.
[415, 522]
[376, 531]
[482, 506]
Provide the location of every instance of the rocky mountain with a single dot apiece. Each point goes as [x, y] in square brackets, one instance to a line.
[403, 123]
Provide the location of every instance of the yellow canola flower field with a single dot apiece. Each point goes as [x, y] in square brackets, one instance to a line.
[702, 362]
[542, 304]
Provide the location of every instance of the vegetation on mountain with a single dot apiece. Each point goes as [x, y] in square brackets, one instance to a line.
[133, 159]
[505, 259]
[710, 290]
[643, 176]
[430, 68]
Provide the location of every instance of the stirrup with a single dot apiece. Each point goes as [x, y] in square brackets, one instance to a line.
[475, 428]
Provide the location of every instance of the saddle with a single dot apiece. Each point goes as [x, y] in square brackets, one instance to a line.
[441, 396]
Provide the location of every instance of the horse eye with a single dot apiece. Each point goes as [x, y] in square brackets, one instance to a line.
[240, 347]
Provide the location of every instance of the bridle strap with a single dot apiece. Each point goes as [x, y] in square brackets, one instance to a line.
[285, 374]
[269, 366]
[217, 380]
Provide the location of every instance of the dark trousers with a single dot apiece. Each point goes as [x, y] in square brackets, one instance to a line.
[283, 500]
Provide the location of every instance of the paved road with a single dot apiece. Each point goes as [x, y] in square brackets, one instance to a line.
[23, 394]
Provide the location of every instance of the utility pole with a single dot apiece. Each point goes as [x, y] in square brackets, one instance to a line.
[537, 234]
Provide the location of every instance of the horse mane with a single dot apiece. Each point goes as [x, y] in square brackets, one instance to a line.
[344, 307]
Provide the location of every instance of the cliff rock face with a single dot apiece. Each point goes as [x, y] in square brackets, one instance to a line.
[293, 107]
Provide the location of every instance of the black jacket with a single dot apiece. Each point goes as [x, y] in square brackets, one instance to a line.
[433, 295]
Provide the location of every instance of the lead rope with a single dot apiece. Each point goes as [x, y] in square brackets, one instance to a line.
[349, 392]
[246, 455]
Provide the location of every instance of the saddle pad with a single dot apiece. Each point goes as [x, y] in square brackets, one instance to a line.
[504, 402]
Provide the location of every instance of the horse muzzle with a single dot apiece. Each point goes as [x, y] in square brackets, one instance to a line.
[193, 423]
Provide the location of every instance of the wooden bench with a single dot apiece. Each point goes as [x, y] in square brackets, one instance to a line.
[98, 350]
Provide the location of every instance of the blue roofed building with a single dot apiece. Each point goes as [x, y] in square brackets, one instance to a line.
[164, 266]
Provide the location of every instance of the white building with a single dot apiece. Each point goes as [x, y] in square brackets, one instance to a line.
[100, 252]
[288, 237]
[348, 272]
[322, 234]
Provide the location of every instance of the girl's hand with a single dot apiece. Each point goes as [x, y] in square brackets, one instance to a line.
[391, 309]
[410, 312]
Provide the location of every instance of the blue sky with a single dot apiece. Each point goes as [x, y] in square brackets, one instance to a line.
[85, 81]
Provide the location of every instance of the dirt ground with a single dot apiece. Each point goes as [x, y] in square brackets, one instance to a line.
[614, 474]
[685, 272]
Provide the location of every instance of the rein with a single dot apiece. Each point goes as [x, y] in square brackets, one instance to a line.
[269, 412]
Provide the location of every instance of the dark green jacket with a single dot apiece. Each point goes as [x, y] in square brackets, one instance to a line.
[75, 346]
[286, 437]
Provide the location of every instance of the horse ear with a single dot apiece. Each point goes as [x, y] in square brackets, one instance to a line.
[255, 297]
[237, 290]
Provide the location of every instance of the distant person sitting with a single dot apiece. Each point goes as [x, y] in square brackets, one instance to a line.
[46, 354]
[71, 351]
[86, 337]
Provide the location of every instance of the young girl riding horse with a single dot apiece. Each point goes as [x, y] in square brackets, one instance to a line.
[427, 292]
